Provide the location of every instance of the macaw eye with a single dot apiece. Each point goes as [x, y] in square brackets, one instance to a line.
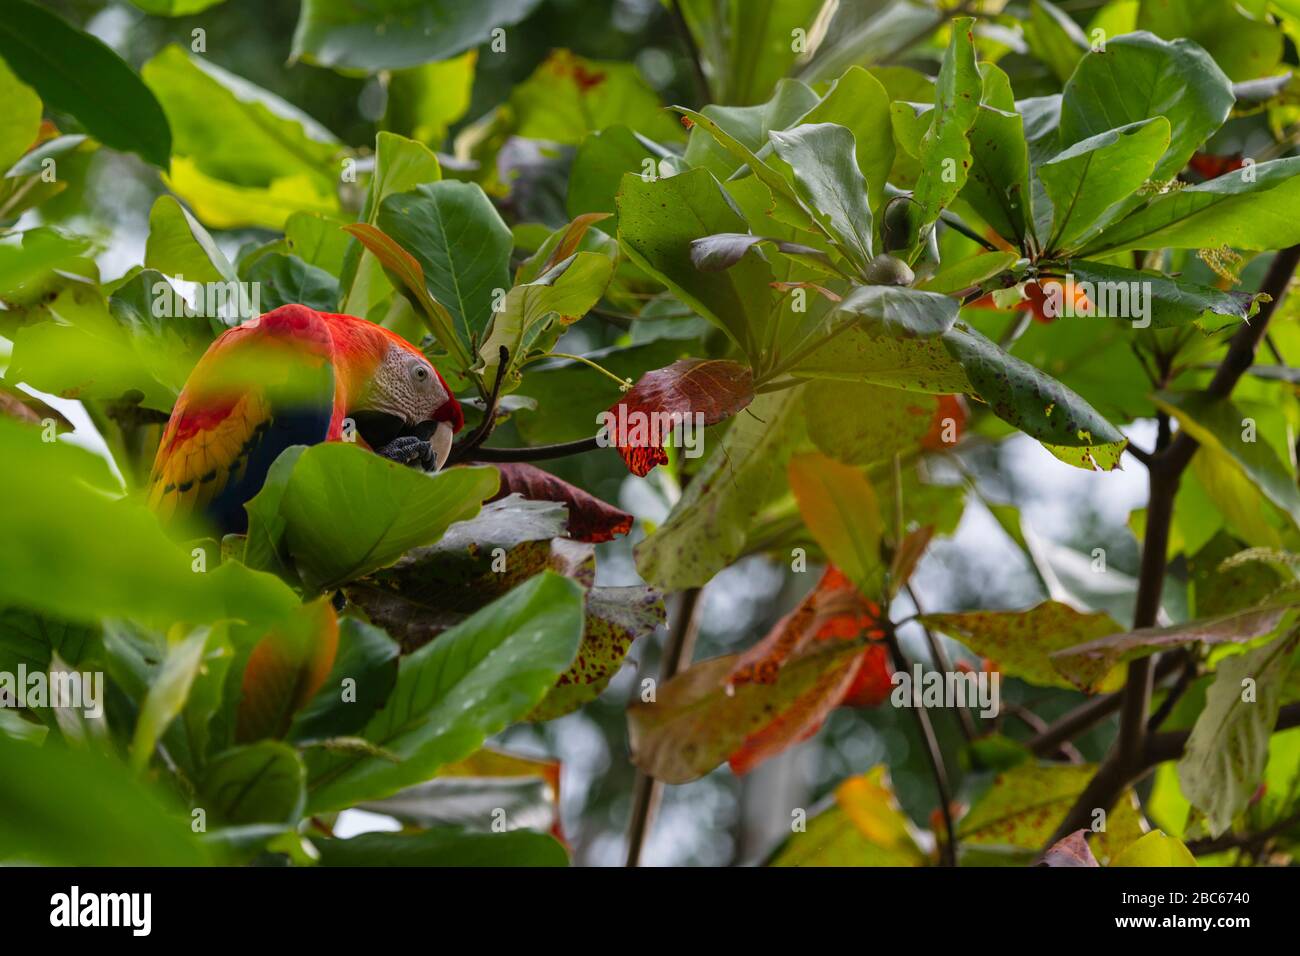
[420, 373]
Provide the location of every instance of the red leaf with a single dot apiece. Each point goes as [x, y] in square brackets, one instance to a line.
[834, 609]
[284, 671]
[873, 683]
[640, 422]
[1211, 166]
[590, 519]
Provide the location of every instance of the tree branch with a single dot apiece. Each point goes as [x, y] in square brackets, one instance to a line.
[536, 452]
[1231, 841]
[1131, 756]
[678, 648]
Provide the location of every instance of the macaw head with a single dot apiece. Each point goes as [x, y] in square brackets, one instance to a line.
[401, 393]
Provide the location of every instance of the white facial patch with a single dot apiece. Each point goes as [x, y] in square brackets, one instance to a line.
[406, 386]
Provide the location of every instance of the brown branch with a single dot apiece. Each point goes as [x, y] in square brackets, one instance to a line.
[1252, 841]
[1090, 713]
[536, 452]
[941, 659]
[1131, 756]
[678, 648]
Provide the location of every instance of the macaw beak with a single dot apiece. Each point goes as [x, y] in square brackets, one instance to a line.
[440, 442]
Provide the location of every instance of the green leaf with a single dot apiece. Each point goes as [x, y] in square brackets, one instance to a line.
[1156, 849]
[317, 240]
[363, 675]
[998, 185]
[615, 618]
[864, 827]
[168, 692]
[1256, 207]
[603, 156]
[1087, 664]
[870, 423]
[51, 493]
[1087, 180]
[708, 527]
[78, 74]
[1140, 76]
[401, 165]
[569, 96]
[944, 150]
[242, 155]
[285, 280]
[968, 272]
[444, 846]
[179, 246]
[42, 251]
[1054, 38]
[1221, 425]
[393, 34]
[1166, 302]
[263, 549]
[425, 100]
[566, 292]
[748, 126]
[21, 121]
[1024, 805]
[658, 221]
[453, 693]
[65, 807]
[1021, 643]
[747, 47]
[348, 512]
[839, 506]
[258, 783]
[918, 364]
[826, 176]
[1036, 403]
[457, 236]
[858, 101]
[899, 312]
[175, 8]
[1244, 46]
[1227, 751]
[785, 204]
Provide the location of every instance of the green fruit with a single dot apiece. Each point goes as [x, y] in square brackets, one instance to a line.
[901, 224]
[888, 270]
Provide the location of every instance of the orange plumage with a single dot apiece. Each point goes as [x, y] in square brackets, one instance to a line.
[290, 377]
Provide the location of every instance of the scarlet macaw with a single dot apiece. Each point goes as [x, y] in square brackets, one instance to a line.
[292, 377]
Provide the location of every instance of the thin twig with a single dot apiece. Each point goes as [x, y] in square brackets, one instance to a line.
[944, 663]
[1232, 841]
[536, 452]
[646, 789]
[484, 429]
[948, 847]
